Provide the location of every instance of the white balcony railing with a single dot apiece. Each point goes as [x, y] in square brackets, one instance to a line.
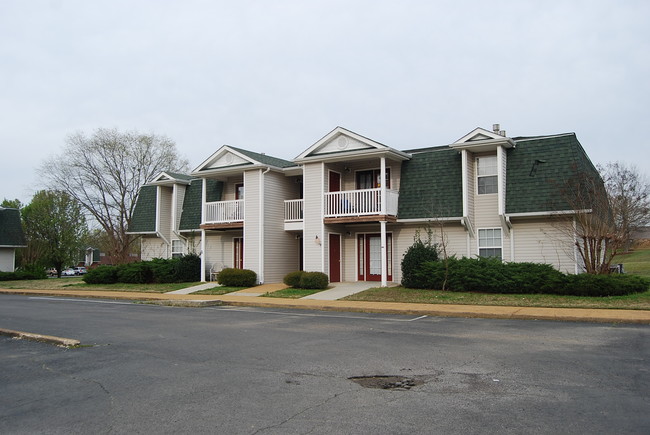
[360, 203]
[224, 211]
[293, 210]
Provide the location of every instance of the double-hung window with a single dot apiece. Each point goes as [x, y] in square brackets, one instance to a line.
[488, 181]
[490, 243]
[177, 248]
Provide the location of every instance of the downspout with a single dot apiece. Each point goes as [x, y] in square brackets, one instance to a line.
[261, 248]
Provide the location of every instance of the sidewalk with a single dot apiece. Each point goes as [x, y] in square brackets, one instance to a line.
[472, 311]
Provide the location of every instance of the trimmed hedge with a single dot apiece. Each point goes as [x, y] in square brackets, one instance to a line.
[231, 277]
[183, 269]
[314, 280]
[292, 279]
[307, 280]
[135, 273]
[27, 273]
[101, 275]
[489, 275]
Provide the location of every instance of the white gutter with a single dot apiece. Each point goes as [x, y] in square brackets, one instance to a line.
[548, 213]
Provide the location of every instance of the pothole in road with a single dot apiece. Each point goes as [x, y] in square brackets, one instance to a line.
[387, 382]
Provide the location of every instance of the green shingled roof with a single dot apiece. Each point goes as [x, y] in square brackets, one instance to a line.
[264, 159]
[535, 187]
[178, 176]
[431, 185]
[11, 230]
[191, 216]
[144, 213]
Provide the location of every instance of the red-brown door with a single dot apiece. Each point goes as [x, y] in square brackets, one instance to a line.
[238, 252]
[335, 257]
[335, 182]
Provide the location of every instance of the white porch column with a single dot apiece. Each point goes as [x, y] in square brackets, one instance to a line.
[382, 175]
[384, 265]
[203, 199]
[203, 256]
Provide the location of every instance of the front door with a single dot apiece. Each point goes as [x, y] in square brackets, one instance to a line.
[238, 252]
[369, 257]
[335, 257]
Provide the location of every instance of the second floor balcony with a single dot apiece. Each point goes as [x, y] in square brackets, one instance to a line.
[224, 214]
[349, 206]
[361, 202]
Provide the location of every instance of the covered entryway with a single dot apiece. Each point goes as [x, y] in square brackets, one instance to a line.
[369, 257]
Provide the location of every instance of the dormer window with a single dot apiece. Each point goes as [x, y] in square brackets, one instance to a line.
[487, 179]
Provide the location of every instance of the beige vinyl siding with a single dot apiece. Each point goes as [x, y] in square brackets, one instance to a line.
[229, 191]
[313, 216]
[281, 249]
[180, 197]
[165, 210]
[7, 259]
[153, 247]
[471, 186]
[252, 241]
[540, 241]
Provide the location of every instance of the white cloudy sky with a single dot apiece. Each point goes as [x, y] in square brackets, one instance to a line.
[275, 76]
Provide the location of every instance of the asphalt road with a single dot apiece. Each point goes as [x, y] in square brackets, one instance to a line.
[155, 369]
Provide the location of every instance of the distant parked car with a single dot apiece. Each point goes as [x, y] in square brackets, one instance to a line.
[51, 271]
[80, 270]
[68, 272]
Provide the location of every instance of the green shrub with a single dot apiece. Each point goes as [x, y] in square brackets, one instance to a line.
[8, 276]
[416, 255]
[292, 279]
[586, 284]
[188, 268]
[135, 273]
[314, 280]
[32, 271]
[489, 275]
[101, 275]
[231, 277]
[164, 270]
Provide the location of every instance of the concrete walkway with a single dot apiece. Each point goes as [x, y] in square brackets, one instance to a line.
[196, 288]
[481, 311]
[341, 290]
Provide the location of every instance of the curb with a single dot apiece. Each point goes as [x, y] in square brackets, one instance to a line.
[50, 339]
[184, 304]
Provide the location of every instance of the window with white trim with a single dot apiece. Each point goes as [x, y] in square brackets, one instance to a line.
[490, 243]
[177, 248]
[487, 179]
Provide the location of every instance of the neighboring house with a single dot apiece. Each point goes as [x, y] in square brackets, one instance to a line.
[11, 237]
[93, 257]
[350, 206]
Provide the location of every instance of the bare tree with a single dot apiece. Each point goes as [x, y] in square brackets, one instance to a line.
[597, 237]
[628, 192]
[104, 173]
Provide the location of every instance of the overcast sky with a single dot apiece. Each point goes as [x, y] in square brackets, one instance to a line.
[276, 76]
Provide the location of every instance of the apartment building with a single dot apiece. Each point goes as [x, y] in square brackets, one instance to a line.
[350, 206]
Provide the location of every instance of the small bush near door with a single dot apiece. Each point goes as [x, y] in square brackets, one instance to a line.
[231, 277]
[292, 279]
[306, 280]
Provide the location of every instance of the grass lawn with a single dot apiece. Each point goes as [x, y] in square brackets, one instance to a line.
[219, 290]
[638, 301]
[291, 293]
[636, 262]
[75, 283]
